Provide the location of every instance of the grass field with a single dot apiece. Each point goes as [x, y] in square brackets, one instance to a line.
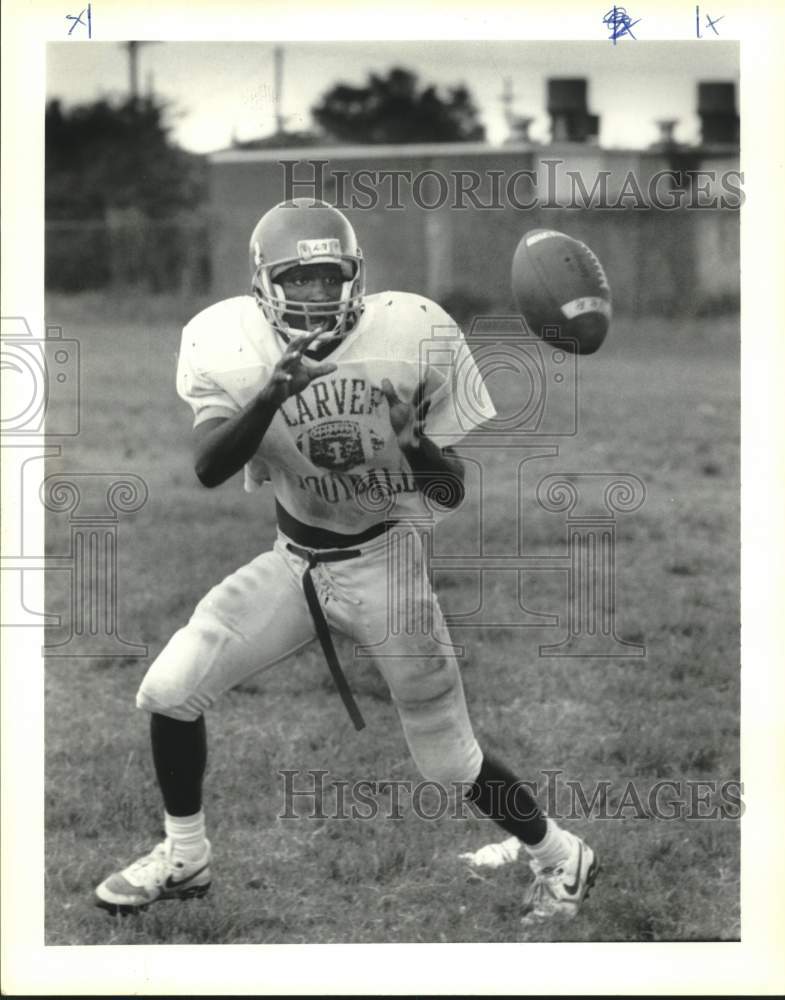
[659, 401]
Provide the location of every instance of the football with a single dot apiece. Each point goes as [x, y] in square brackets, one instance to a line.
[561, 290]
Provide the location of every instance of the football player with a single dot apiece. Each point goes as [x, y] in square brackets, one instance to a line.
[317, 387]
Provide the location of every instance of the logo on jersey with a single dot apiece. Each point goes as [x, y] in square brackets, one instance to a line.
[339, 445]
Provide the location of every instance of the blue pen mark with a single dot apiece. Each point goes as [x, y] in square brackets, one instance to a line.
[77, 19]
[619, 23]
[710, 22]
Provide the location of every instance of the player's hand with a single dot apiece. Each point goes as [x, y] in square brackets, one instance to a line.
[294, 372]
[407, 417]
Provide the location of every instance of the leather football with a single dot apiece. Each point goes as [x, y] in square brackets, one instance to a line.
[561, 290]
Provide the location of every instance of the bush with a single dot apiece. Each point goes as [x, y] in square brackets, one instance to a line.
[128, 250]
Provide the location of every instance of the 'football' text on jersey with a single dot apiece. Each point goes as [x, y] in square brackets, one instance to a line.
[330, 452]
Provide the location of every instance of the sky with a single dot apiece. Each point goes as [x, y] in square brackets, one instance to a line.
[224, 89]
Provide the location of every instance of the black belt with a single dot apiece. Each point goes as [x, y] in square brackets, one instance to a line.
[320, 538]
[322, 628]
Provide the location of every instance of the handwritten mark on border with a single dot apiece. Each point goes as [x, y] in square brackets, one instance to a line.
[77, 19]
[711, 22]
[619, 23]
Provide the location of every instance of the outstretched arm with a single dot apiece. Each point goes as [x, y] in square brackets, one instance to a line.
[223, 446]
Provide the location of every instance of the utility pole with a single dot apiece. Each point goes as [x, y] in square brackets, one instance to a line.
[506, 99]
[278, 88]
[518, 126]
[133, 67]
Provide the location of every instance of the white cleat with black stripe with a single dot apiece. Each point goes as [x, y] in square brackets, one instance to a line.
[158, 875]
[559, 890]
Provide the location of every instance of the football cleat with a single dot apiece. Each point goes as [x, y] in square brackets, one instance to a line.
[158, 875]
[559, 890]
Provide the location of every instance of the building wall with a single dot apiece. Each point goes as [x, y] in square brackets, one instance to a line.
[665, 262]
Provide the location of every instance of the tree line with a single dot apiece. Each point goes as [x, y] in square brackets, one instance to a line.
[123, 198]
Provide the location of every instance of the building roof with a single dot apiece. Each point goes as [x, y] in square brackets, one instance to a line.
[440, 149]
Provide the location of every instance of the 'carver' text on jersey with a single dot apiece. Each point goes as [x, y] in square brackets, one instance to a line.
[335, 397]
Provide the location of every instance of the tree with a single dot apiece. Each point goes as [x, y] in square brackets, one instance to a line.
[120, 199]
[394, 109]
[104, 156]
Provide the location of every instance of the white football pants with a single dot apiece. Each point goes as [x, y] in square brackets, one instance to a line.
[382, 600]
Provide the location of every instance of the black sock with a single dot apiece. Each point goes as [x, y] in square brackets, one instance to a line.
[180, 758]
[502, 797]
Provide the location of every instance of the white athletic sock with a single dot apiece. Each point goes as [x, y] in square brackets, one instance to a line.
[187, 834]
[552, 849]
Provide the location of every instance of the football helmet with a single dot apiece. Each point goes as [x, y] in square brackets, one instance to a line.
[300, 232]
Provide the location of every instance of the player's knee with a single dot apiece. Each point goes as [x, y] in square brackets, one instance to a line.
[151, 702]
[177, 683]
[433, 713]
[435, 679]
[453, 767]
[165, 699]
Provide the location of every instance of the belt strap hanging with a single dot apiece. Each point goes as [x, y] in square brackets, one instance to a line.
[322, 628]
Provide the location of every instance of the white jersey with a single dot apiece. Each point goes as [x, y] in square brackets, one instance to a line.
[330, 452]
